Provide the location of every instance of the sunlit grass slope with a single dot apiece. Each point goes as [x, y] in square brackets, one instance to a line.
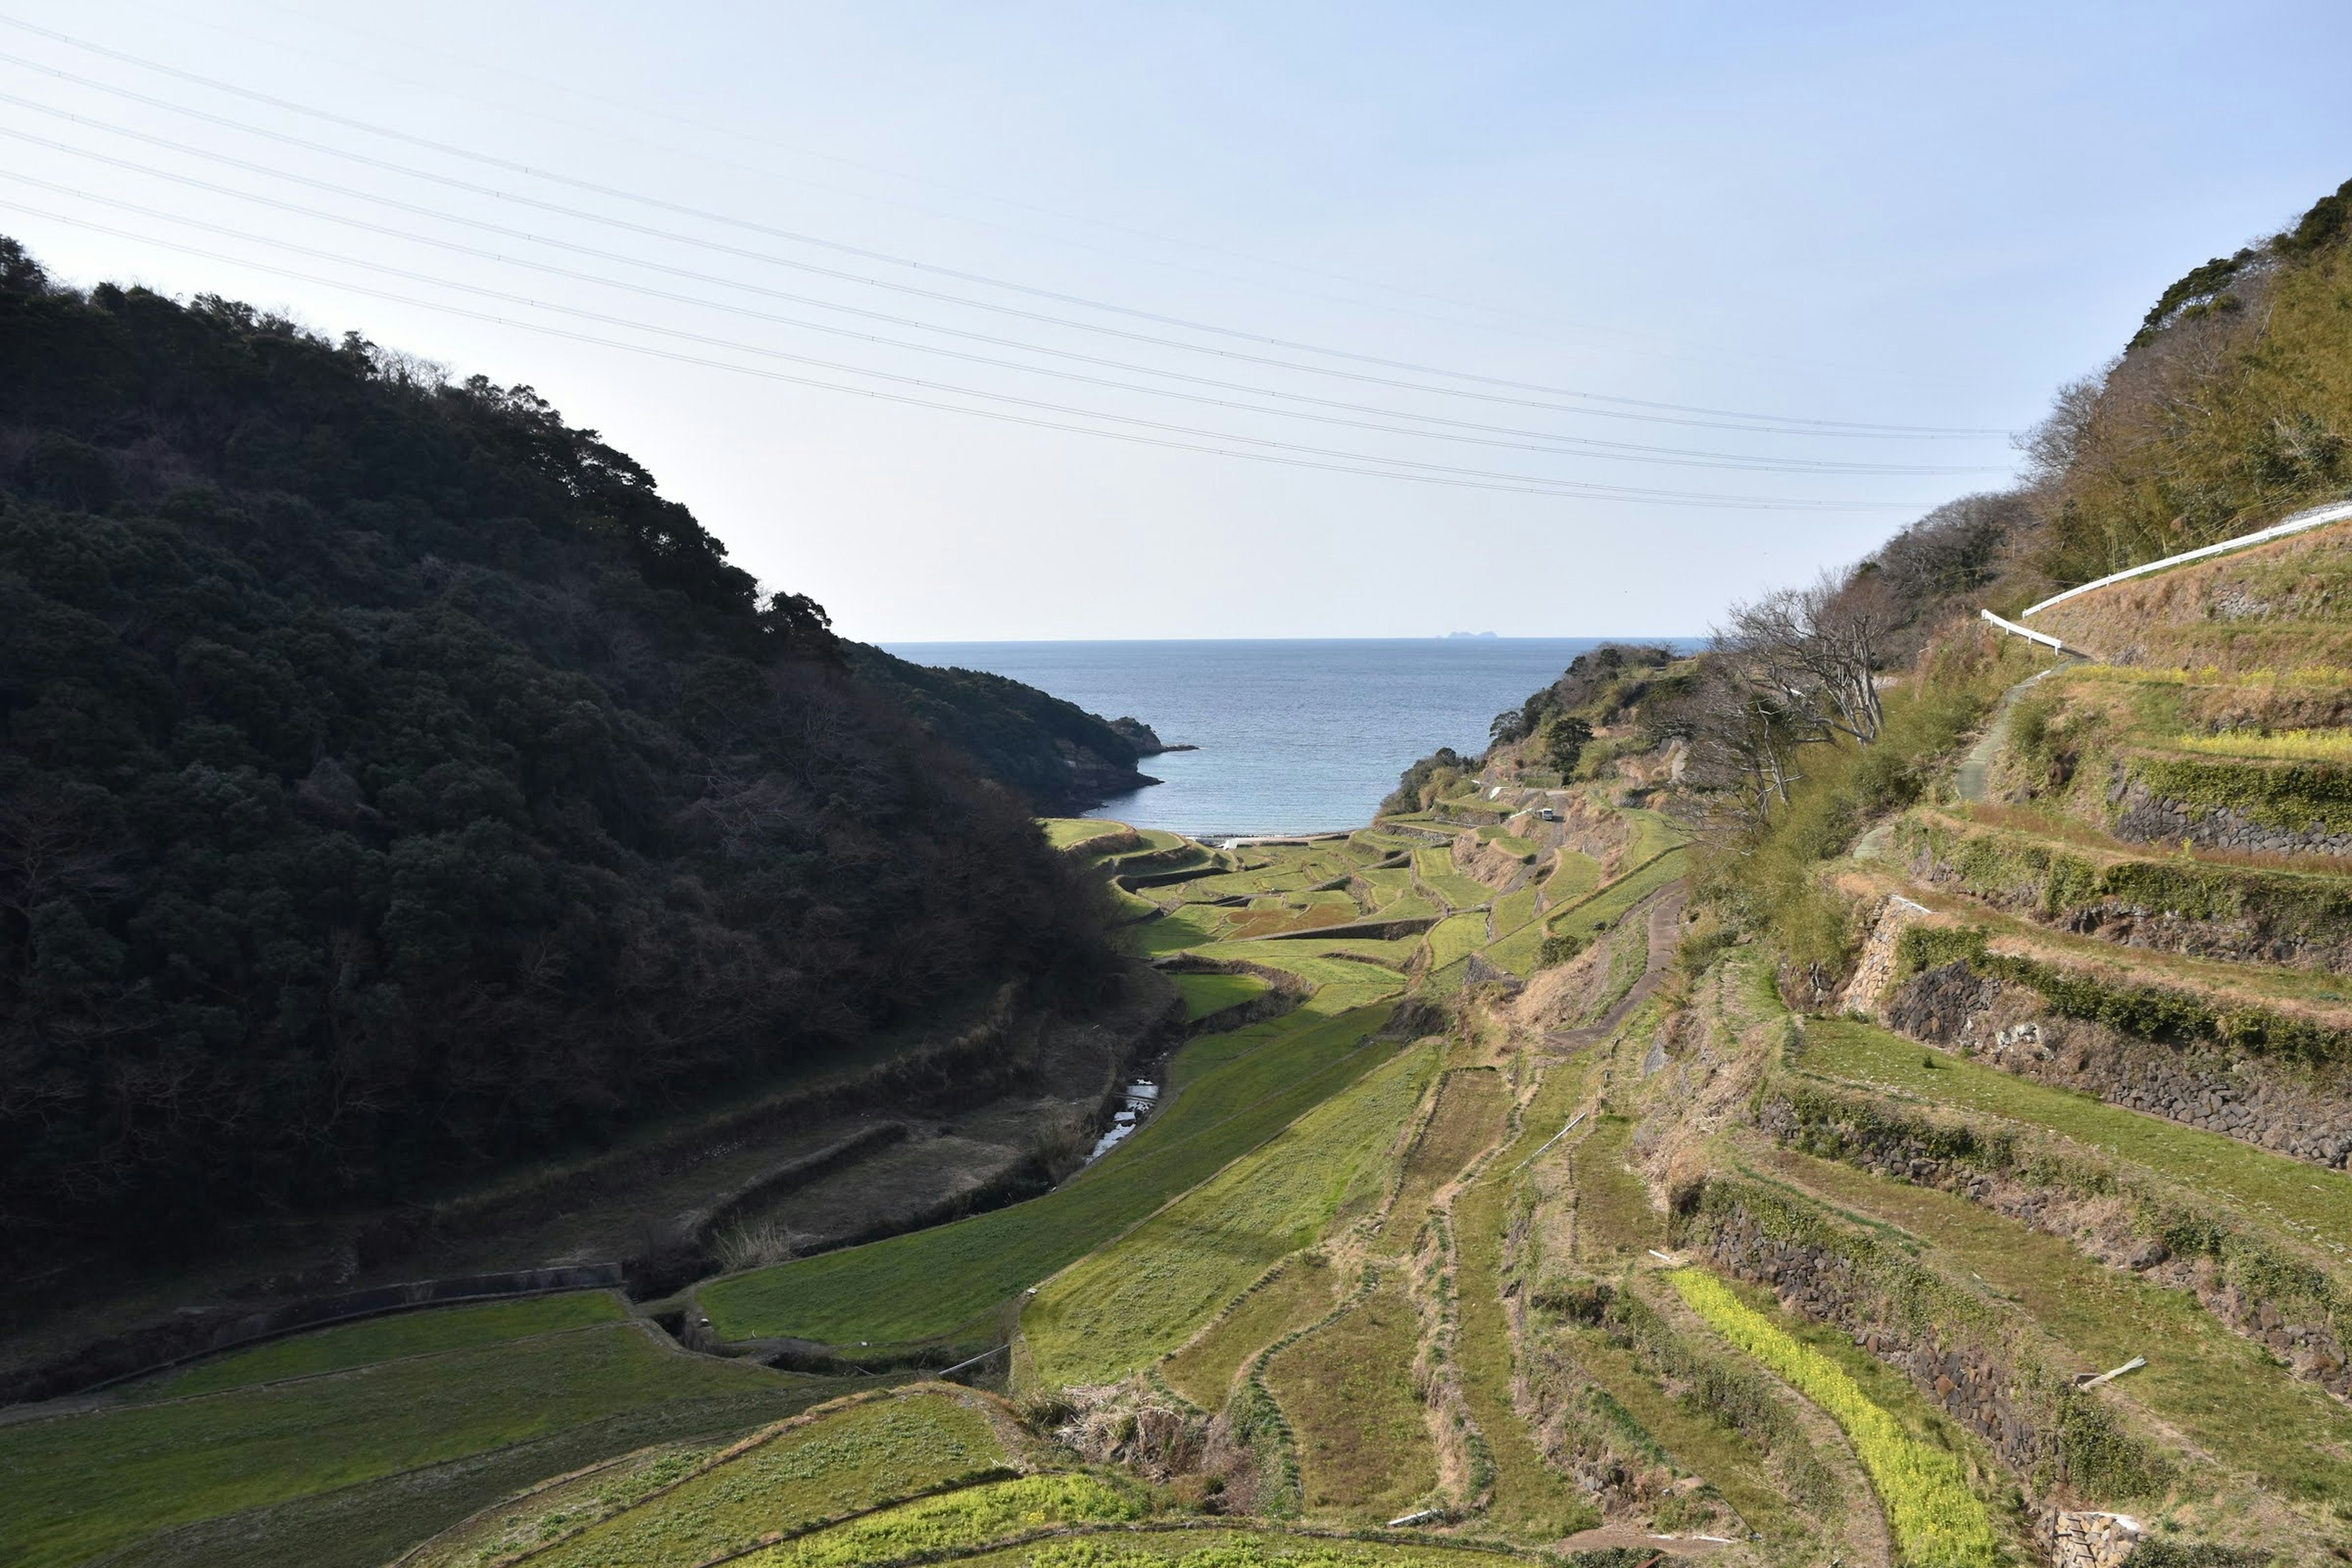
[932, 1282]
[1146, 1292]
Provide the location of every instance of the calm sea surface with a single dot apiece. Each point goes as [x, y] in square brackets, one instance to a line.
[1296, 736]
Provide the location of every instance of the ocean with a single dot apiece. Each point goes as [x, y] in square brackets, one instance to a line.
[1294, 736]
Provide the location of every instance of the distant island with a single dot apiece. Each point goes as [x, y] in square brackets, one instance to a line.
[1469, 636]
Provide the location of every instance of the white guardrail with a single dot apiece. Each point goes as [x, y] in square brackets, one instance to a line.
[2043, 637]
[2317, 517]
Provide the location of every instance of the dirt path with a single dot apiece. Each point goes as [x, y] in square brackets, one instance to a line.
[1665, 908]
[1976, 766]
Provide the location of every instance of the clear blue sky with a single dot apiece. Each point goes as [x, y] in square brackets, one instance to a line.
[1918, 217]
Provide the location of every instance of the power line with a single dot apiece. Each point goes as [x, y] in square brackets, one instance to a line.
[1536, 440]
[1793, 425]
[768, 258]
[1465, 479]
[1673, 349]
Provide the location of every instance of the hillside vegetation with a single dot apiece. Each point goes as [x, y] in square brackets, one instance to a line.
[1869, 1093]
[393, 784]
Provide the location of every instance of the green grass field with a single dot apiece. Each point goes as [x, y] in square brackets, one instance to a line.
[180, 1460]
[1069, 832]
[1364, 1453]
[1145, 1294]
[1608, 906]
[1204, 1370]
[2229, 1395]
[1513, 910]
[2309, 1199]
[1433, 865]
[932, 1282]
[1218, 1546]
[422, 1332]
[1521, 950]
[1937, 1519]
[1455, 938]
[567, 1503]
[835, 1464]
[1573, 876]
[1207, 993]
[1192, 925]
[1304, 960]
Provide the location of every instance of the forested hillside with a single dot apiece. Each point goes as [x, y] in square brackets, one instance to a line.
[392, 781]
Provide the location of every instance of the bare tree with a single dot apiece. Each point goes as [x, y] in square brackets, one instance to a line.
[1815, 652]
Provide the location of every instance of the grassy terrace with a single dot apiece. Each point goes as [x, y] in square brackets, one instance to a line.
[1602, 909]
[1455, 938]
[1375, 964]
[962, 1521]
[1364, 1453]
[1262, 1547]
[1148, 1291]
[2314, 992]
[1922, 1484]
[841, 1462]
[1573, 875]
[1531, 1500]
[1069, 832]
[1208, 993]
[932, 1282]
[2229, 1395]
[426, 1333]
[1301, 1292]
[174, 1461]
[2310, 1200]
[1433, 865]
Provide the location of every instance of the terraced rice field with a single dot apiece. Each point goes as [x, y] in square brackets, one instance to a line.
[932, 1282]
[1455, 938]
[820, 1467]
[1364, 1450]
[2315, 1202]
[174, 1461]
[1464, 1123]
[1600, 909]
[425, 1332]
[960, 1522]
[1145, 1294]
[1069, 832]
[1207, 995]
[1614, 1221]
[1937, 1518]
[1532, 1500]
[1434, 866]
[1301, 1292]
[2227, 1394]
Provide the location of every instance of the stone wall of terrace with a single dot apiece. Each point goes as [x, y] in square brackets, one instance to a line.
[2266, 1103]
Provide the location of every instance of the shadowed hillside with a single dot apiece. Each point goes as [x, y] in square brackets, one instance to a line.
[393, 782]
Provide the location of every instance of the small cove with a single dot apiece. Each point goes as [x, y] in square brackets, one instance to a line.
[1295, 735]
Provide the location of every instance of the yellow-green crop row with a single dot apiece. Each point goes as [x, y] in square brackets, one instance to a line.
[1938, 1521]
[958, 1521]
[2295, 745]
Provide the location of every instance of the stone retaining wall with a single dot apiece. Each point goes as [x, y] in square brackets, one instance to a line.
[2141, 818]
[2246, 1097]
